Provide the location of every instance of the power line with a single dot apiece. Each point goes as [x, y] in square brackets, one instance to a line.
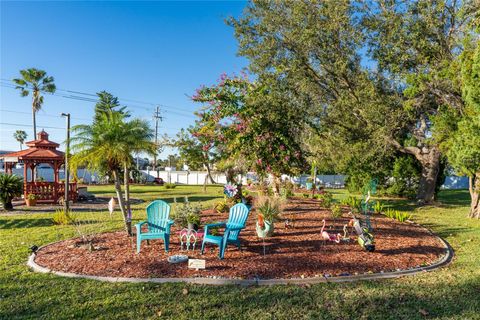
[41, 114]
[28, 125]
[186, 115]
[82, 119]
[11, 85]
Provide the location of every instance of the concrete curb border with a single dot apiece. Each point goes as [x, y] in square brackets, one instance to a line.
[443, 261]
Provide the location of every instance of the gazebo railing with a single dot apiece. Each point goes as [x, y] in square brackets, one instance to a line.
[50, 191]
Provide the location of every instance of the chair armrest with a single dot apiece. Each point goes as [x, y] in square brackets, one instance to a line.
[139, 226]
[169, 224]
[214, 225]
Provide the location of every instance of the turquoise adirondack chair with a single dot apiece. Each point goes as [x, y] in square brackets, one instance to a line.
[235, 223]
[158, 224]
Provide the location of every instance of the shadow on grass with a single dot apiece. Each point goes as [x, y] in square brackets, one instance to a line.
[25, 223]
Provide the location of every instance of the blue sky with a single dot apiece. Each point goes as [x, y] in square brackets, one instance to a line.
[154, 52]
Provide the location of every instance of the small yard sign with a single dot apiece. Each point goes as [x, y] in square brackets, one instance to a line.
[196, 263]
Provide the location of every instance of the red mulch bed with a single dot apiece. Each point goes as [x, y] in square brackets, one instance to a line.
[291, 253]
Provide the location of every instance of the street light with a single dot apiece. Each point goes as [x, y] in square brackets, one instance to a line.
[67, 151]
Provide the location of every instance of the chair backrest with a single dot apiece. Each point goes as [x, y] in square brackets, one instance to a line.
[158, 213]
[237, 218]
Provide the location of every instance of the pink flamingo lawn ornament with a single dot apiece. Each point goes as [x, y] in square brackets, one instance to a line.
[329, 237]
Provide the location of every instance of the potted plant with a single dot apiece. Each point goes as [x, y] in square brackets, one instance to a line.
[187, 215]
[193, 220]
[269, 211]
[11, 186]
[31, 200]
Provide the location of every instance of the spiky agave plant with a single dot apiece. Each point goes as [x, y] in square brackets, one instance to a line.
[11, 186]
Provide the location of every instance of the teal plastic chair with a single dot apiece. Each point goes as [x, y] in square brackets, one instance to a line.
[158, 224]
[235, 223]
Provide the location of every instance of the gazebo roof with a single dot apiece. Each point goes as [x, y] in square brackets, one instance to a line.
[40, 149]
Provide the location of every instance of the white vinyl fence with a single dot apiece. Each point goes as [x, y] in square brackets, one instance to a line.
[198, 177]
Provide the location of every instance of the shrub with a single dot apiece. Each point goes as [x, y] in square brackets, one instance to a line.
[170, 185]
[405, 177]
[286, 190]
[354, 203]
[398, 215]
[389, 213]
[336, 211]
[185, 211]
[269, 207]
[88, 228]
[62, 217]
[402, 216]
[306, 195]
[11, 186]
[378, 207]
[326, 198]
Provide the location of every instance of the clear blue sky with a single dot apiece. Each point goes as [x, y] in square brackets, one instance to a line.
[156, 52]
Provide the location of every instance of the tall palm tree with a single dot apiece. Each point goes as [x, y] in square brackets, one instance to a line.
[107, 144]
[35, 81]
[20, 136]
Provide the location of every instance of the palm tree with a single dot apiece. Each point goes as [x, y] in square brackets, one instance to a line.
[20, 136]
[138, 138]
[107, 145]
[11, 186]
[35, 81]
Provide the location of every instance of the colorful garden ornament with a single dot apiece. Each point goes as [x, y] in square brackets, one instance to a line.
[329, 237]
[345, 237]
[365, 238]
[264, 228]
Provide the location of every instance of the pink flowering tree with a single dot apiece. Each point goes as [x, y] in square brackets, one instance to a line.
[247, 125]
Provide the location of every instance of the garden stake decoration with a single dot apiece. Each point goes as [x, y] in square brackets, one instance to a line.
[370, 189]
[111, 206]
[365, 238]
[345, 237]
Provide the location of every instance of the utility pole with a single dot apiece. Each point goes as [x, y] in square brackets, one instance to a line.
[157, 117]
[67, 151]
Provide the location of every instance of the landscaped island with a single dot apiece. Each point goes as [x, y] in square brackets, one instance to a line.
[294, 252]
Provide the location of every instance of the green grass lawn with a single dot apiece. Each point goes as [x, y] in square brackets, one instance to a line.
[449, 293]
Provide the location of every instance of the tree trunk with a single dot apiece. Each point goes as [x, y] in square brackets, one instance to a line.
[230, 173]
[474, 188]
[430, 162]
[126, 182]
[118, 190]
[276, 186]
[34, 120]
[7, 204]
[208, 176]
[429, 158]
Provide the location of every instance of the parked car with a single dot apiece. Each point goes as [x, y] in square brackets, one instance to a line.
[158, 181]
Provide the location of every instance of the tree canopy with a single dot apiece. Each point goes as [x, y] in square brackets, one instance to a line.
[378, 78]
